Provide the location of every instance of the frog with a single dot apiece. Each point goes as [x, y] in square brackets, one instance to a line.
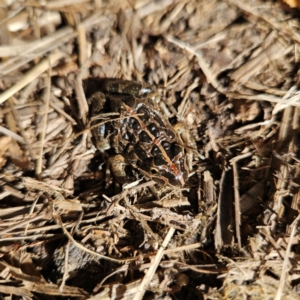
[137, 132]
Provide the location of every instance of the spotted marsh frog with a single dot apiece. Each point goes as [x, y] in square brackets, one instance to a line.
[136, 130]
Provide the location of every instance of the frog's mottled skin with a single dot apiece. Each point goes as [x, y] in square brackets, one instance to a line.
[141, 133]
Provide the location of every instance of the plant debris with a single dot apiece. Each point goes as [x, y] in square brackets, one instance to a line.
[227, 73]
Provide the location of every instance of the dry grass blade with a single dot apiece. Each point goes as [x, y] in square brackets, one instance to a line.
[32, 74]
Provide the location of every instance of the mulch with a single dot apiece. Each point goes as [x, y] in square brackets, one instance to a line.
[228, 72]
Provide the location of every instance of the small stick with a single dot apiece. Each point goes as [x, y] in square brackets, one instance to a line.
[39, 163]
[150, 273]
[286, 260]
[237, 210]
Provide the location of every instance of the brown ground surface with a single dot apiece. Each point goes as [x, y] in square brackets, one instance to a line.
[228, 70]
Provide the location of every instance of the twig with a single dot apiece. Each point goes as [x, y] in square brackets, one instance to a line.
[11, 134]
[66, 264]
[286, 259]
[39, 164]
[237, 209]
[146, 281]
